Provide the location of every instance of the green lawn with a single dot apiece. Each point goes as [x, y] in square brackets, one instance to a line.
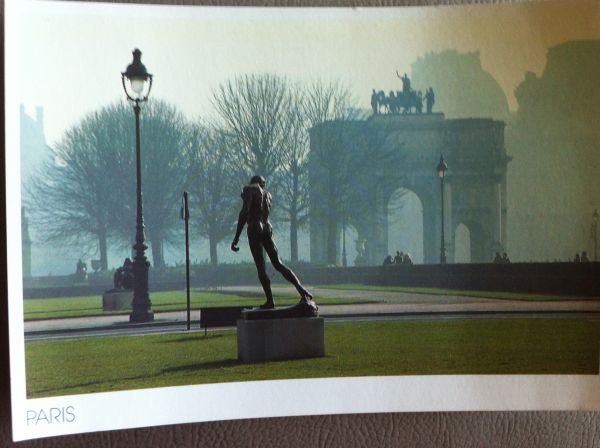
[161, 301]
[502, 346]
[455, 292]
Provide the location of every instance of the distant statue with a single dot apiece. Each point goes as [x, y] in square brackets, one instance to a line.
[381, 101]
[577, 258]
[375, 102]
[497, 258]
[407, 261]
[81, 271]
[505, 258]
[584, 257]
[419, 102]
[429, 99]
[405, 82]
[398, 258]
[388, 261]
[255, 212]
[123, 276]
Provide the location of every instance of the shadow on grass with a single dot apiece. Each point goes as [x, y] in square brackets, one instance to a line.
[219, 364]
[192, 338]
[63, 390]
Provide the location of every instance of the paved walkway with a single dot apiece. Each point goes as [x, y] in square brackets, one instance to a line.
[391, 303]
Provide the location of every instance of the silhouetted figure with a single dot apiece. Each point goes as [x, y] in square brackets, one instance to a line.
[405, 82]
[123, 277]
[429, 99]
[255, 212]
[584, 257]
[497, 258]
[577, 258]
[81, 271]
[388, 260]
[419, 105]
[505, 258]
[406, 260]
[398, 258]
[381, 101]
[375, 102]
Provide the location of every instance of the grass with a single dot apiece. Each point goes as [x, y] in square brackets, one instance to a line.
[502, 295]
[58, 307]
[502, 346]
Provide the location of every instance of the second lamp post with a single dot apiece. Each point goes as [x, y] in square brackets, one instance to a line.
[441, 170]
[140, 84]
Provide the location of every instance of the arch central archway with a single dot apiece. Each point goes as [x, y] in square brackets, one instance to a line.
[462, 244]
[405, 224]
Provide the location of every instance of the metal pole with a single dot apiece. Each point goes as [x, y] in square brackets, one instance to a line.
[186, 217]
[594, 230]
[344, 259]
[141, 300]
[442, 246]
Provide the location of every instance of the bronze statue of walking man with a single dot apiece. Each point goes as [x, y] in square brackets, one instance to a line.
[255, 212]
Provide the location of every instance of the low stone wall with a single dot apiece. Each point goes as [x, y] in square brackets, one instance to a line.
[577, 279]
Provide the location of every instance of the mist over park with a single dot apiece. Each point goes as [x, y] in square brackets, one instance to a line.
[79, 195]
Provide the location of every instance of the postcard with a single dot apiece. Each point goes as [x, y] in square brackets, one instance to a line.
[230, 213]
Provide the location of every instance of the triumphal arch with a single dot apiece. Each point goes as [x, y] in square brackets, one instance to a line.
[356, 165]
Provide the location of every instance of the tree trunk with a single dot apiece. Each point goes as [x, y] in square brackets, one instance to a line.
[294, 237]
[212, 242]
[103, 251]
[332, 223]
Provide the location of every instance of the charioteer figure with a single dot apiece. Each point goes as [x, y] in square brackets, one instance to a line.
[255, 212]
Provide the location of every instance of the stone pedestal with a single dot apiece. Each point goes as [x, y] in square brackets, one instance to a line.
[279, 339]
[117, 300]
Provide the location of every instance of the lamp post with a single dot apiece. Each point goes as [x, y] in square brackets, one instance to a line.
[441, 170]
[140, 84]
[595, 217]
[344, 259]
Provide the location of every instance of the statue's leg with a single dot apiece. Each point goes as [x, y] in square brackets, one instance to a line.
[256, 248]
[287, 273]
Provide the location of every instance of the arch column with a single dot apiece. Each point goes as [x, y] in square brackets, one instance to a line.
[497, 221]
[431, 232]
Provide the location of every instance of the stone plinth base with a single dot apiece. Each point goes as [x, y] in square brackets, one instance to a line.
[117, 300]
[279, 339]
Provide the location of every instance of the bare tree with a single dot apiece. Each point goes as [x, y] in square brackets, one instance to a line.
[73, 199]
[328, 108]
[213, 184]
[350, 159]
[293, 172]
[85, 190]
[252, 108]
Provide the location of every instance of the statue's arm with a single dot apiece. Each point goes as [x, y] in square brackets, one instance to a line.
[242, 218]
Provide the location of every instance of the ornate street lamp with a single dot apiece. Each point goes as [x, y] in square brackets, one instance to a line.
[140, 84]
[441, 170]
[595, 217]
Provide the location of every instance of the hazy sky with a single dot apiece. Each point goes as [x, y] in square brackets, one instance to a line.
[72, 54]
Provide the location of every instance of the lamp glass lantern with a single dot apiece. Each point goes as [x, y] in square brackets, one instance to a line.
[138, 77]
